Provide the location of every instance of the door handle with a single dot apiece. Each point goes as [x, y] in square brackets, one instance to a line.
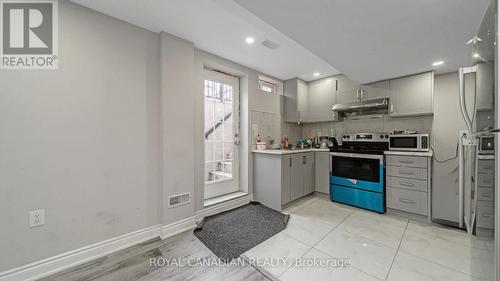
[304, 160]
[406, 183]
[407, 201]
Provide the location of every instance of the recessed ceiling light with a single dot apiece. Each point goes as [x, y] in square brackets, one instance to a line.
[437, 63]
[315, 74]
[250, 40]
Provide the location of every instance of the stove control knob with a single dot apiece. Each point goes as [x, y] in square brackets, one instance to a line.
[386, 136]
[381, 136]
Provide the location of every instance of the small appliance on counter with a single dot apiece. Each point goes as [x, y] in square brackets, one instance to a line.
[409, 141]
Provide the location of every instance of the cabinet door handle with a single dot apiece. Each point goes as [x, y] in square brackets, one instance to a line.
[304, 160]
[392, 108]
[486, 215]
[406, 173]
[407, 201]
[486, 195]
[406, 183]
[290, 162]
[406, 161]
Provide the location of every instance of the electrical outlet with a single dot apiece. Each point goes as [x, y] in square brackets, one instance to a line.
[37, 218]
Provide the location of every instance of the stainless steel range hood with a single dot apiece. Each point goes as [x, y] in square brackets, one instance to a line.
[361, 106]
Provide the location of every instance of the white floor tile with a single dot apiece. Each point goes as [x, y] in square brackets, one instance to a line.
[448, 234]
[275, 249]
[370, 256]
[296, 273]
[472, 261]
[299, 204]
[328, 212]
[410, 268]
[380, 228]
[307, 229]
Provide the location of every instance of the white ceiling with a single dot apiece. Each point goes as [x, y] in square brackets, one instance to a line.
[219, 27]
[374, 40]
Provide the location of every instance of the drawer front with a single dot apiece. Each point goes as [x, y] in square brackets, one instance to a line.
[412, 184]
[407, 172]
[486, 166]
[486, 194]
[485, 214]
[407, 200]
[485, 180]
[406, 161]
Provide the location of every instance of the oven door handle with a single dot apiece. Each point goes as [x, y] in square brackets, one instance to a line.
[358, 155]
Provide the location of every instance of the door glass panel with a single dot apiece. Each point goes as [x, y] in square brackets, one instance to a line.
[356, 168]
[219, 145]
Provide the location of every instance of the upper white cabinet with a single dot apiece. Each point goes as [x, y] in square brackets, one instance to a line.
[347, 91]
[485, 86]
[295, 100]
[321, 100]
[375, 90]
[412, 95]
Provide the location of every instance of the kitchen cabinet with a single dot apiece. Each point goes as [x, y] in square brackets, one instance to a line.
[295, 100]
[322, 171]
[408, 182]
[281, 178]
[412, 95]
[321, 99]
[347, 91]
[301, 175]
[375, 90]
[485, 192]
[485, 86]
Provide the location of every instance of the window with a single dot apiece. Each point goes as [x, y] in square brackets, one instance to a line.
[267, 87]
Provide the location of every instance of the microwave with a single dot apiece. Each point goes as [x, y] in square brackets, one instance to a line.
[486, 144]
[414, 142]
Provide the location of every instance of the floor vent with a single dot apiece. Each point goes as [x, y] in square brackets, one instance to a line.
[180, 199]
[270, 44]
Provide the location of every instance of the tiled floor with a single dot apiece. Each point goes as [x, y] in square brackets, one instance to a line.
[380, 247]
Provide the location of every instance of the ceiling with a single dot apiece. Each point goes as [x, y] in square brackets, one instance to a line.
[374, 40]
[220, 27]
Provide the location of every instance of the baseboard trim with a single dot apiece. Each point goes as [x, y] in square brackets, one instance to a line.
[49, 266]
[55, 264]
[178, 227]
[224, 206]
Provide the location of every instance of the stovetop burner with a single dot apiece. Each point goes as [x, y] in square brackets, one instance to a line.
[364, 143]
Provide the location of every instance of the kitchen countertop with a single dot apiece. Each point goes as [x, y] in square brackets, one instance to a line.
[409, 153]
[289, 151]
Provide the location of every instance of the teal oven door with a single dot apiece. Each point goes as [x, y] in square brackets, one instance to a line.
[358, 180]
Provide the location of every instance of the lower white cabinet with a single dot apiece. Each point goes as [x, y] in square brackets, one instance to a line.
[281, 178]
[408, 183]
[322, 171]
[485, 186]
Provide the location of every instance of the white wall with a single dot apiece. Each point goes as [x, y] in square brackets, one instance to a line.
[82, 141]
[178, 116]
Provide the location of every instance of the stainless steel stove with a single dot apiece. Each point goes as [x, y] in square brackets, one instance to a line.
[357, 171]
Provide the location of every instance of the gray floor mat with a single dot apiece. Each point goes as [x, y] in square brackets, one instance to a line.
[231, 233]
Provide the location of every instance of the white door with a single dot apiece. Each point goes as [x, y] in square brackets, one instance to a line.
[221, 134]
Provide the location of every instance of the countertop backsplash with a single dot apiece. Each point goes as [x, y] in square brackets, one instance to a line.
[385, 124]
